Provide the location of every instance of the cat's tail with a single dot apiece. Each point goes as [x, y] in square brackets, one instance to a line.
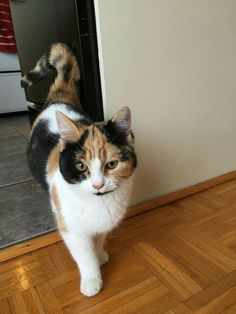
[65, 87]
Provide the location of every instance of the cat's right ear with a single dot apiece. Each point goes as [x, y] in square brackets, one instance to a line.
[121, 121]
[67, 129]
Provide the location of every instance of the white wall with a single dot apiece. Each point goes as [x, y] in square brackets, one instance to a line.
[174, 64]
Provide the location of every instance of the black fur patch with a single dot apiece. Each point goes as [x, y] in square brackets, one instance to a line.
[67, 160]
[34, 76]
[119, 138]
[40, 145]
[67, 71]
[128, 153]
[113, 134]
[83, 138]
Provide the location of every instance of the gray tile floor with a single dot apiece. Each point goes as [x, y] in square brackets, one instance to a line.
[24, 207]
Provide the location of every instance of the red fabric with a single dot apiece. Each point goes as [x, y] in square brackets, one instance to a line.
[7, 38]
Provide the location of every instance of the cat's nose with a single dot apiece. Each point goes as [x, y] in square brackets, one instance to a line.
[98, 186]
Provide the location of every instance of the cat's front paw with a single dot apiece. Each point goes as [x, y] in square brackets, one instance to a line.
[91, 287]
[103, 257]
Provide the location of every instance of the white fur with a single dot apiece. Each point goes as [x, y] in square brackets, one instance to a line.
[97, 177]
[87, 215]
[49, 114]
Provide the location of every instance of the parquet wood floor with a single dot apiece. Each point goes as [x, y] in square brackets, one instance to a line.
[176, 259]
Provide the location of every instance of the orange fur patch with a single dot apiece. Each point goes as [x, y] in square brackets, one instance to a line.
[96, 146]
[53, 161]
[64, 90]
[59, 217]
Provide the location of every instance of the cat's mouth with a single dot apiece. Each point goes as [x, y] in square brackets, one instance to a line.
[103, 193]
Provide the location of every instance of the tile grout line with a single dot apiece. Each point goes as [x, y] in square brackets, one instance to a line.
[20, 133]
[15, 183]
[16, 129]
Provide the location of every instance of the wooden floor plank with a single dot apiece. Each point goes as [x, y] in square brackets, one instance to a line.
[17, 304]
[230, 310]
[32, 301]
[157, 300]
[21, 278]
[186, 281]
[219, 304]
[170, 281]
[46, 263]
[181, 308]
[229, 254]
[212, 292]
[123, 297]
[4, 306]
[166, 247]
[48, 299]
[205, 249]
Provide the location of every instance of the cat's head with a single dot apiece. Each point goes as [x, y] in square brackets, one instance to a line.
[98, 157]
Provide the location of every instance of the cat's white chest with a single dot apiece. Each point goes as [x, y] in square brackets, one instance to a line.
[93, 217]
[91, 214]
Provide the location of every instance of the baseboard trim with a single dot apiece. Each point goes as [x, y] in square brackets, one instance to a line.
[53, 237]
[185, 192]
[29, 245]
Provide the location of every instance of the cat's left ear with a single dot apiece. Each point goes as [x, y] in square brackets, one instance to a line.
[122, 120]
[67, 128]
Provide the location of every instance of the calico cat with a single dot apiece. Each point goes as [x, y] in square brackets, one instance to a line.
[86, 167]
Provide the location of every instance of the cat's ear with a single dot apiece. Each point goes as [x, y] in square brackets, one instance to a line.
[122, 120]
[67, 129]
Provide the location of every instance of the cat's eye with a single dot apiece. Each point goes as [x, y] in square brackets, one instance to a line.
[112, 164]
[81, 166]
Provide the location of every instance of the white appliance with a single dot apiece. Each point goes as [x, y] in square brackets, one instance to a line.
[12, 97]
